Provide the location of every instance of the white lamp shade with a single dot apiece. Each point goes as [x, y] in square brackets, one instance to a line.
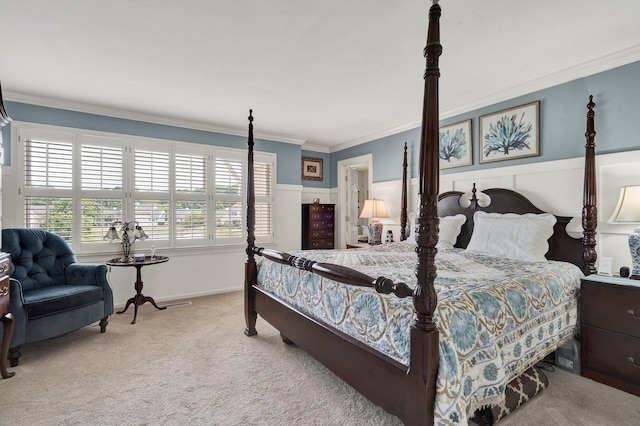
[374, 208]
[628, 208]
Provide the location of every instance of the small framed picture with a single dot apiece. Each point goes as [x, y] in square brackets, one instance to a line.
[455, 145]
[311, 168]
[511, 133]
[316, 201]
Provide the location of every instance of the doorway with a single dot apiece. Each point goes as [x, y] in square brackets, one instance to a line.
[354, 183]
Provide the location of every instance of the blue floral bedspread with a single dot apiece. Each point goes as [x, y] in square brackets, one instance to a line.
[496, 317]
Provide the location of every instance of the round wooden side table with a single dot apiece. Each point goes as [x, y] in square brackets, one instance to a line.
[139, 298]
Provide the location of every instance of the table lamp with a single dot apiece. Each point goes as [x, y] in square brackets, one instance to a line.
[628, 211]
[130, 231]
[372, 210]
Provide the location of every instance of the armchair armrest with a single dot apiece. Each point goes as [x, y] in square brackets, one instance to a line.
[86, 274]
[91, 274]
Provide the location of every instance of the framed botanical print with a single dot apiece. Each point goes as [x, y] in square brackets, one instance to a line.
[311, 168]
[456, 145]
[511, 133]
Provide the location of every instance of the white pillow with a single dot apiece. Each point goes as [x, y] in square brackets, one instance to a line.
[515, 236]
[411, 231]
[450, 227]
[449, 230]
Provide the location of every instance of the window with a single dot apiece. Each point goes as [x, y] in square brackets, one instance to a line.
[76, 183]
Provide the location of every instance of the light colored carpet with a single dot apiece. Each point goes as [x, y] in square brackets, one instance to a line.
[193, 365]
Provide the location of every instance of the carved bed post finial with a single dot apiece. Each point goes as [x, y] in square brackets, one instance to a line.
[473, 199]
[421, 378]
[250, 269]
[251, 213]
[427, 218]
[403, 200]
[589, 208]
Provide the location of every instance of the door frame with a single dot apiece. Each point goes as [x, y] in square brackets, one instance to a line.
[342, 192]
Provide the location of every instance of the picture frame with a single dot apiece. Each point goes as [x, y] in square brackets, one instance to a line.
[311, 168]
[456, 145]
[510, 133]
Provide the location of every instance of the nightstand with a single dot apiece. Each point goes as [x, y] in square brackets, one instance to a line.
[610, 331]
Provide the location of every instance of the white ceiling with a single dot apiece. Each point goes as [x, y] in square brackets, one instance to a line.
[328, 73]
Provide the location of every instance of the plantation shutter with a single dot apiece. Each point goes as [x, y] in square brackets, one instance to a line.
[190, 195]
[151, 171]
[48, 184]
[228, 197]
[48, 164]
[101, 184]
[151, 192]
[264, 200]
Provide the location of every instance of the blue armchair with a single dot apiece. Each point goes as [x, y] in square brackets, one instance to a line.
[51, 294]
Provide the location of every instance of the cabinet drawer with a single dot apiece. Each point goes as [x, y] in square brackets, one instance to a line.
[611, 307]
[321, 244]
[318, 208]
[4, 295]
[610, 354]
[321, 234]
[321, 225]
[321, 216]
[4, 266]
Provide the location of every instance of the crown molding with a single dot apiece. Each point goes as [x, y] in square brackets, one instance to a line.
[604, 63]
[374, 136]
[316, 148]
[140, 116]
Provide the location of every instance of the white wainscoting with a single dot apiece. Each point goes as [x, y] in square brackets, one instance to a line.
[554, 186]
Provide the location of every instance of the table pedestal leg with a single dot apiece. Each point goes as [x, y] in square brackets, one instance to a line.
[139, 298]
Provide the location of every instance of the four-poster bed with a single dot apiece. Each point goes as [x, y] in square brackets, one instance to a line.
[404, 375]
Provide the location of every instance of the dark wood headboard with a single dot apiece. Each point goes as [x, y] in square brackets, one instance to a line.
[562, 246]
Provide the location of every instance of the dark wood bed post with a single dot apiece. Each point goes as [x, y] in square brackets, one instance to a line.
[250, 269]
[423, 363]
[589, 208]
[403, 200]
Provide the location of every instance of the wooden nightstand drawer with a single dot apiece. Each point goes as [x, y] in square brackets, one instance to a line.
[611, 358]
[611, 307]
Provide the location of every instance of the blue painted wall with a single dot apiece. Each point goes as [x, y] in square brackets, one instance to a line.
[287, 153]
[562, 125]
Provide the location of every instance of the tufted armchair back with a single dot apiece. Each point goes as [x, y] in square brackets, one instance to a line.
[38, 257]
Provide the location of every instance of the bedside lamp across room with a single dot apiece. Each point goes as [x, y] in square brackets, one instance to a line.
[374, 209]
[628, 211]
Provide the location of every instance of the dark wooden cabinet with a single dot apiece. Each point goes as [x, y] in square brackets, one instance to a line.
[610, 331]
[318, 226]
[5, 315]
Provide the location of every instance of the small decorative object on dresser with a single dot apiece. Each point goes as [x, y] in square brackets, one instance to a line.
[610, 330]
[318, 226]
